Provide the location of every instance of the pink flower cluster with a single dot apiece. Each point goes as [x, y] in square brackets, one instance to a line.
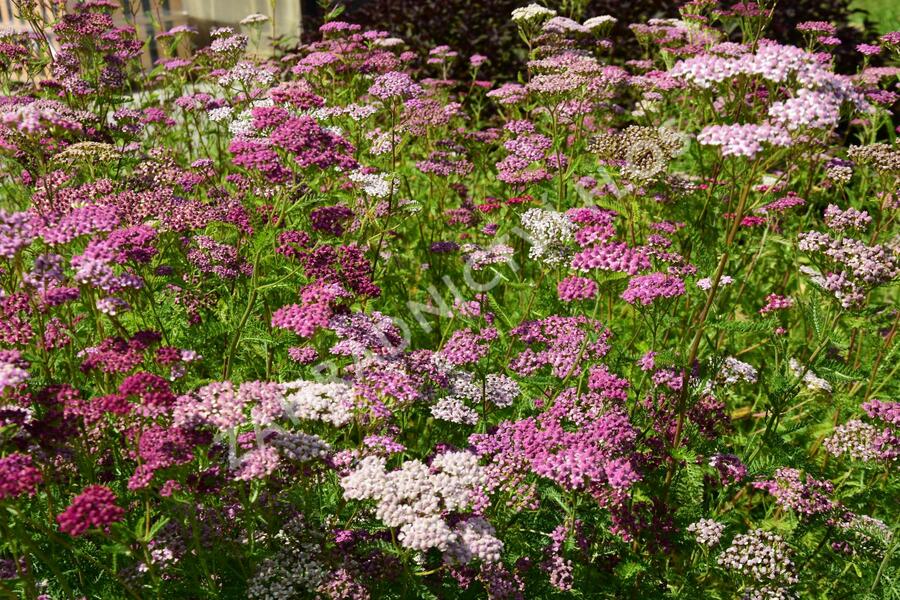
[645, 289]
[568, 343]
[801, 493]
[576, 288]
[775, 302]
[744, 140]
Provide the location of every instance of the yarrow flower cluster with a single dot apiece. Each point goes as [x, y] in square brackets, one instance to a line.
[744, 140]
[576, 288]
[364, 318]
[706, 283]
[870, 265]
[733, 371]
[863, 535]
[94, 508]
[376, 185]
[645, 289]
[842, 220]
[532, 12]
[643, 153]
[549, 232]
[607, 256]
[331, 403]
[707, 531]
[563, 343]
[478, 258]
[497, 389]
[810, 379]
[801, 493]
[774, 303]
[854, 439]
[18, 476]
[761, 556]
[414, 497]
[394, 85]
[11, 372]
[16, 232]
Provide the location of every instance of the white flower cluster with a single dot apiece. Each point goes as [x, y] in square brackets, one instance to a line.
[854, 438]
[601, 22]
[415, 496]
[768, 592]
[246, 73]
[430, 531]
[532, 12]
[390, 42]
[707, 531]
[376, 185]
[498, 389]
[357, 112]
[222, 113]
[550, 233]
[453, 410]
[478, 539]
[761, 555]
[254, 19]
[839, 173]
[300, 446]
[501, 390]
[868, 536]
[813, 382]
[734, 371]
[331, 403]
[242, 125]
[705, 284]
[293, 570]
[563, 25]
[11, 374]
[382, 142]
[478, 258]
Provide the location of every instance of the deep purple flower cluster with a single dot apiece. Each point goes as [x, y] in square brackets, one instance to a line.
[330, 219]
[18, 476]
[94, 508]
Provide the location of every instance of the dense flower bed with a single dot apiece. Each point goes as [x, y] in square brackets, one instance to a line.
[334, 325]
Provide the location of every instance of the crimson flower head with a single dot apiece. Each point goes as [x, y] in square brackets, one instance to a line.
[18, 476]
[95, 507]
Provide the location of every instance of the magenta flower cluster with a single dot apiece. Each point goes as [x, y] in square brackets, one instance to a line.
[94, 508]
